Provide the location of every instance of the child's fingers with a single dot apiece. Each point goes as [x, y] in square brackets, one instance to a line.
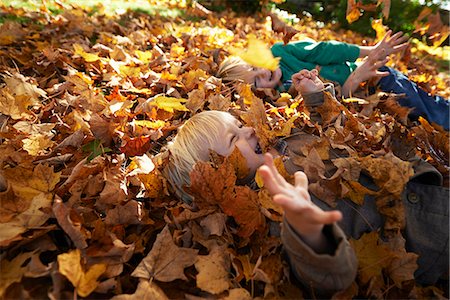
[270, 182]
[301, 180]
[328, 217]
[381, 74]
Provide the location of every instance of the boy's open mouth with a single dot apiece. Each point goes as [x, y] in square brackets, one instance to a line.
[258, 149]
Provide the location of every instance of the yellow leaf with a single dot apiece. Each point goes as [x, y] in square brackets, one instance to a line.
[257, 54]
[169, 103]
[353, 15]
[144, 56]
[380, 29]
[149, 124]
[37, 144]
[355, 100]
[130, 71]
[89, 57]
[84, 282]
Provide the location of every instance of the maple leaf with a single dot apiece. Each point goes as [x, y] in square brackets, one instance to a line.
[209, 186]
[213, 271]
[12, 271]
[257, 54]
[373, 256]
[166, 261]
[245, 209]
[85, 282]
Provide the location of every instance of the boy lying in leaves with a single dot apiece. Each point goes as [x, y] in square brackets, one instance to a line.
[336, 62]
[314, 233]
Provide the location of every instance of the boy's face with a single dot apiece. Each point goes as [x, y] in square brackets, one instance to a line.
[267, 79]
[234, 134]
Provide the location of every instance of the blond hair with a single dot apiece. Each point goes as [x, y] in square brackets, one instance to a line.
[190, 145]
[234, 68]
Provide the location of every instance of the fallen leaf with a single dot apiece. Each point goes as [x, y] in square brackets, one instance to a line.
[213, 271]
[257, 54]
[146, 290]
[166, 261]
[84, 282]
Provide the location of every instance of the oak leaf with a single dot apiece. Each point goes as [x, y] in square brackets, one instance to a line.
[166, 261]
[85, 282]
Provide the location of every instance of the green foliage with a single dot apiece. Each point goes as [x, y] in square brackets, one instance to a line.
[95, 148]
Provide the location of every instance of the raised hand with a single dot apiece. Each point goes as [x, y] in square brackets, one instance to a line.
[306, 82]
[367, 70]
[302, 214]
[392, 44]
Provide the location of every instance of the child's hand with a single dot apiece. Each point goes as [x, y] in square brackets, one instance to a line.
[306, 82]
[368, 70]
[392, 44]
[303, 215]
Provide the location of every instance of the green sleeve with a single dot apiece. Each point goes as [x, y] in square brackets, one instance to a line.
[335, 60]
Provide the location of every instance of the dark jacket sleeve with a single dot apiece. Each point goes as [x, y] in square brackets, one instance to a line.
[323, 273]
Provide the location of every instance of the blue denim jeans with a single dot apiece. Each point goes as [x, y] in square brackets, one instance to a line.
[433, 108]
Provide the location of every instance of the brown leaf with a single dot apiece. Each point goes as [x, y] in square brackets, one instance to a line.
[245, 209]
[279, 26]
[129, 213]
[214, 224]
[62, 214]
[329, 110]
[146, 290]
[210, 186]
[389, 172]
[166, 261]
[213, 271]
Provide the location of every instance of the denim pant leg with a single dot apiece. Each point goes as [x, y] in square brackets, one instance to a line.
[433, 108]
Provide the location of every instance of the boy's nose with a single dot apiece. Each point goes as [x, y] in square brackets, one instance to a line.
[248, 131]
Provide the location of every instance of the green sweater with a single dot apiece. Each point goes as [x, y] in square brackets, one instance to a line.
[336, 60]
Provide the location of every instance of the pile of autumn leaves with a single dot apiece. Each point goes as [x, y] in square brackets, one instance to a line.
[87, 104]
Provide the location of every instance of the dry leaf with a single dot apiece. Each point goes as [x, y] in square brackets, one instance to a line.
[213, 271]
[84, 282]
[166, 261]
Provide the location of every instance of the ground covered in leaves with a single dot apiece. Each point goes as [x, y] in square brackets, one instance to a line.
[87, 103]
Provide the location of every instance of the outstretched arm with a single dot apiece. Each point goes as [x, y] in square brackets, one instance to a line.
[305, 217]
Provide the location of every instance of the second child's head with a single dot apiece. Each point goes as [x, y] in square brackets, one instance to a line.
[209, 130]
[234, 68]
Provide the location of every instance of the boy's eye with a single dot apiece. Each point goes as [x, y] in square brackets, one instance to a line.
[240, 125]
